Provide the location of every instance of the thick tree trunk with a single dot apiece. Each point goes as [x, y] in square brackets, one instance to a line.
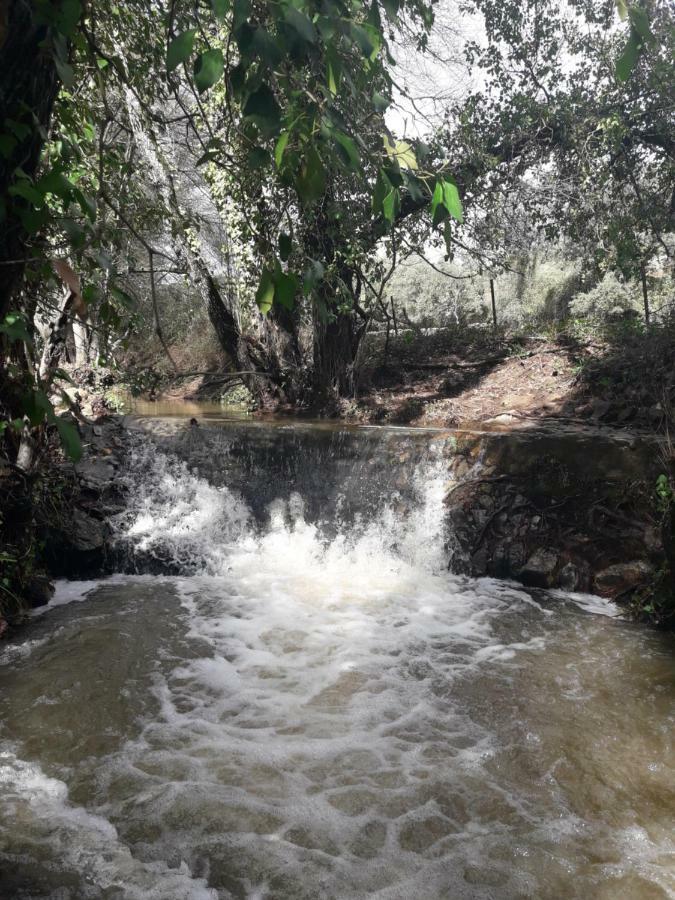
[336, 344]
[28, 87]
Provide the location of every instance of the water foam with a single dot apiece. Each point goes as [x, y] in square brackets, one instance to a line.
[83, 843]
[338, 716]
[176, 517]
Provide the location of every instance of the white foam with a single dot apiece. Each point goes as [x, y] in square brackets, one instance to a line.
[81, 842]
[341, 714]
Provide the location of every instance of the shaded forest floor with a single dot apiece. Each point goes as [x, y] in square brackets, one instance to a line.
[623, 377]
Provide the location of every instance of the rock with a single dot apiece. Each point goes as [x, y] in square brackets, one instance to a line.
[96, 473]
[569, 578]
[39, 590]
[87, 532]
[479, 562]
[540, 569]
[622, 577]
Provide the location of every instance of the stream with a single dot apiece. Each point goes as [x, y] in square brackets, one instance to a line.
[284, 693]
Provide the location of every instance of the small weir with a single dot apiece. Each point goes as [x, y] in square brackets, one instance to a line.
[284, 694]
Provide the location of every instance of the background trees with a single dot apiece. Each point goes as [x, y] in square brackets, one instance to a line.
[234, 163]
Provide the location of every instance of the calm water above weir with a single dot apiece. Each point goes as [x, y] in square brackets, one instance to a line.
[304, 703]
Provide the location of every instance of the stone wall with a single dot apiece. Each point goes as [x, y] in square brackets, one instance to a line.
[556, 507]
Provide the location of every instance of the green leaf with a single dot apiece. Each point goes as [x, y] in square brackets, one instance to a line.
[437, 197]
[391, 8]
[326, 26]
[266, 48]
[208, 69]
[220, 9]
[19, 129]
[367, 38]
[415, 187]
[56, 183]
[640, 22]
[122, 297]
[300, 23]
[207, 157]
[68, 17]
[14, 327]
[311, 180]
[86, 203]
[285, 246]
[400, 152]
[7, 144]
[70, 439]
[285, 289]
[242, 9]
[622, 8]
[33, 220]
[281, 147]
[37, 407]
[59, 374]
[627, 60]
[348, 152]
[333, 70]
[263, 110]
[451, 200]
[380, 102]
[382, 188]
[77, 235]
[27, 191]
[391, 205]
[180, 49]
[92, 293]
[264, 296]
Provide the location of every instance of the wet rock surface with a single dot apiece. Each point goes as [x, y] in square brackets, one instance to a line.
[78, 542]
[548, 507]
[557, 507]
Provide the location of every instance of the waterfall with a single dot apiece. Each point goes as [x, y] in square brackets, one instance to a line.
[180, 521]
[288, 696]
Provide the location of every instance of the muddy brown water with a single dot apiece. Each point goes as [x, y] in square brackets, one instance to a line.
[313, 712]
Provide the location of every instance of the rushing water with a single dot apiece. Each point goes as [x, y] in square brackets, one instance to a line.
[313, 707]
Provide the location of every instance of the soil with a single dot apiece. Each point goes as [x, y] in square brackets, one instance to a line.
[448, 378]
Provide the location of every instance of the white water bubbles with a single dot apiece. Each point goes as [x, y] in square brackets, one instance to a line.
[177, 521]
[176, 518]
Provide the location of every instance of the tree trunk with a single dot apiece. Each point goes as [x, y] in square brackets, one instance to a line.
[335, 346]
[28, 87]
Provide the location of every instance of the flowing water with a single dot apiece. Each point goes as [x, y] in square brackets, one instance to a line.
[304, 703]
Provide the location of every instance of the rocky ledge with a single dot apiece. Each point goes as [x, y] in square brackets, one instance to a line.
[566, 507]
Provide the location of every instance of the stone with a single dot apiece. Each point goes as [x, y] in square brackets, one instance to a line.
[97, 473]
[569, 577]
[87, 533]
[622, 577]
[540, 569]
[39, 590]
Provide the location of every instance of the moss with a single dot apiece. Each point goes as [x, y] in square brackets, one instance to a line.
[239, 396]
[117, 398]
